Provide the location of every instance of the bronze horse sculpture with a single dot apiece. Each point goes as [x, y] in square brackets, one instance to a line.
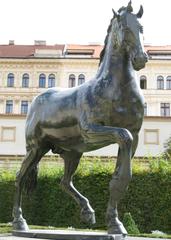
[105, 110]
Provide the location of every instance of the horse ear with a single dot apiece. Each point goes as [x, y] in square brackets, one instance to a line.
[140, 13]
[114, 13]
[129, 7]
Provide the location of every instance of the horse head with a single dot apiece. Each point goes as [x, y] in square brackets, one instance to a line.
[129, 35]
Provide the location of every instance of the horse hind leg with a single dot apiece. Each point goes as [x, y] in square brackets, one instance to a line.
[71, 160]
[27, 173]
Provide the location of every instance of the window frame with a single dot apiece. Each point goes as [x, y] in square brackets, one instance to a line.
[81, 79]
[9, 107]
[143, 79]
[168, 82]
[164, 107]
[160, 82]
[72, 81]
[24, 107]
[145, 109]
[10, 80]
[42, 80]
[51, 81]
[25, 80]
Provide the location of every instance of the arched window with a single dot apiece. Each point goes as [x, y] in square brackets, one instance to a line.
[168, 82]
[71, 81]
[81, 79]
[25, 80]
[160, 82]
[10, 80]
[51, 81]
[42, 80]
[143, 82]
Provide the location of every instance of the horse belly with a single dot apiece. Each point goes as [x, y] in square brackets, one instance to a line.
[62, 133]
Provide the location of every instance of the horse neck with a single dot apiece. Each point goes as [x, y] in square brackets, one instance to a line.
[115, 68]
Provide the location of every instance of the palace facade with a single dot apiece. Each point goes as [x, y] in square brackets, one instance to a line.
[27, 70]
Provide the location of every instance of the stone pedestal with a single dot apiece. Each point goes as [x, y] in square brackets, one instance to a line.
[67, 235]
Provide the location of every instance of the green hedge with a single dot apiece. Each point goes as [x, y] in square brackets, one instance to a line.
[148, 198]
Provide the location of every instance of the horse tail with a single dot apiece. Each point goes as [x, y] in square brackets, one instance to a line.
[31, 180]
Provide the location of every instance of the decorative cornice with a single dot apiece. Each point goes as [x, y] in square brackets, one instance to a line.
[13, 116]
[158, 118]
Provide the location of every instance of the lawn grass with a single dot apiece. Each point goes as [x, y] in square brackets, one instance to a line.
[152, 235]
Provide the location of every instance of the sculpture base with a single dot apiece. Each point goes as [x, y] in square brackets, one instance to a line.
[67, 235]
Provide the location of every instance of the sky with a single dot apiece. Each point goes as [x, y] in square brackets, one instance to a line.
[77, 21]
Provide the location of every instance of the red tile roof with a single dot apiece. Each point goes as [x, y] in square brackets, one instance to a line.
[25, 51]
[28, 51]
[158, 50]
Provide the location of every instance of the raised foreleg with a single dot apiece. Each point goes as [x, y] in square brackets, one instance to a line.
[71, 160]
[103, 135]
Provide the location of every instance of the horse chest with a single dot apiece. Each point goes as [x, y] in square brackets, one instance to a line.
[127, 114]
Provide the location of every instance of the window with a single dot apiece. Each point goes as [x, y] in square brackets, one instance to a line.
[143, 82]
[81, 79]
[160, 82]
[10, 80]
[145, 109]
[168, 82]
[42, 80]
[165, 109]
[51, 81]
[25, 80]
[9, 106]
[71, 81]
[24, 107]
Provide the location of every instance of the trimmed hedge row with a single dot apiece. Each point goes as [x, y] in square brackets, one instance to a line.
[148, 198]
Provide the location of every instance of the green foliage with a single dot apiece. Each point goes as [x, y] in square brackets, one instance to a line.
[129, 224]
[161, 165]
[167, 151]
[148, 197]
[5, 228]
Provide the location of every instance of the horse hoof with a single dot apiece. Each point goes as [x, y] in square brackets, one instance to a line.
[117, 229]
[20, 224]
[88, 216]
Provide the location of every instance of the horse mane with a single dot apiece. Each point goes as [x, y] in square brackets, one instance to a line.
[105, 42]
[128, 9]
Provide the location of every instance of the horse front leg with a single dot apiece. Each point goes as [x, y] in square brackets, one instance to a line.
[114, 225]
[96, 134]
[71, 160]
[117, 188]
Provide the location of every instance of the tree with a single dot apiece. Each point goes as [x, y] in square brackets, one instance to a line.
[129, 224]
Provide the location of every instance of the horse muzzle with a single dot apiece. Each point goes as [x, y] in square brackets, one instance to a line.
[139, 61]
